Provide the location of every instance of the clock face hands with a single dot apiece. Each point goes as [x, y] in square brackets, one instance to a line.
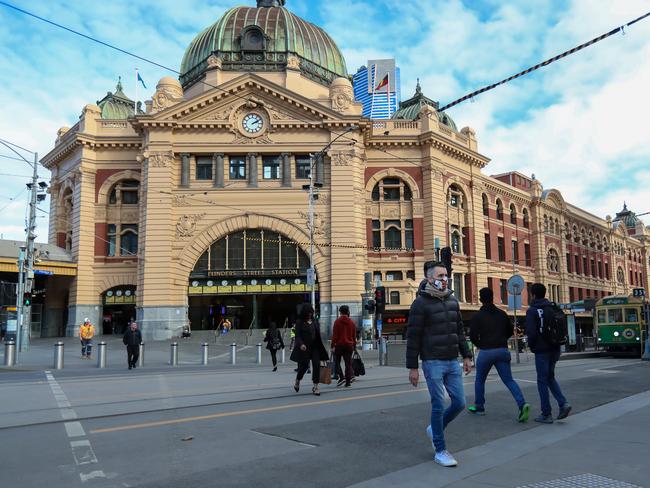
[252, 123]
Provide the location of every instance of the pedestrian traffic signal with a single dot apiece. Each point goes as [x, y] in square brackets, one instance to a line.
[380, 298]
[445, 257]
[27, 299]
[370, 306]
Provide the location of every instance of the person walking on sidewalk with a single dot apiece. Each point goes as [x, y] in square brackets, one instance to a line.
[132, 340]
[309, 347]
[274, 342]
[343, 342]
[489, 331]
[546, 353]
[86, 334]
[435, 334]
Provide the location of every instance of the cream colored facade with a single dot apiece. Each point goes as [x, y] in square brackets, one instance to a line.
[179, 216]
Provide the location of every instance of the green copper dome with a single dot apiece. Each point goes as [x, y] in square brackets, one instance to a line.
[410, 109]
[116, 106]
[262, 39]
[628, 217]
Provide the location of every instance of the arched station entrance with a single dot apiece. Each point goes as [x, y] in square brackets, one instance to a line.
[253, 277]
[119, 309]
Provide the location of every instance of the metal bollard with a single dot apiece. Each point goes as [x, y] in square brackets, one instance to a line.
[205, 347]
[173, 358]
[233, 353]
[101, 355]
[10, 353]
[282, 360]
[258, 358]
[58, 355]
[141, 355]
[383, 350]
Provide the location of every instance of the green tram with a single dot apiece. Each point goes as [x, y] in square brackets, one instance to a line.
[621, 323]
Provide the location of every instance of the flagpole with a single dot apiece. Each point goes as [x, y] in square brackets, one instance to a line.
[388, 94]
[373, 80]
[135, 103]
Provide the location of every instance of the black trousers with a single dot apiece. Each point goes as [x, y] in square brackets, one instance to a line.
[274, 358]
[132, 354]
[344, 352]
[303, 366]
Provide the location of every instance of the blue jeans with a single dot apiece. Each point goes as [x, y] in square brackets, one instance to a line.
[545, 366]
[86, 347]
[443, 375]
[500, 359]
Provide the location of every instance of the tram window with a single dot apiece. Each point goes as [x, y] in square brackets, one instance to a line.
[602, 316]
[615, 315]
[631, 315]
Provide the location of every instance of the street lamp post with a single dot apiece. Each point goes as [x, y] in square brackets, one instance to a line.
[313, 159]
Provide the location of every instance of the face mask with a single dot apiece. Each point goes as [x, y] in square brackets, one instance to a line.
[438, 284]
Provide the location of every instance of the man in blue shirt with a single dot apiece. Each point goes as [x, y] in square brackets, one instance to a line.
[546, 355]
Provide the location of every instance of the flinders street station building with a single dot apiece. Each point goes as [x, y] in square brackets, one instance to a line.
[194, 207]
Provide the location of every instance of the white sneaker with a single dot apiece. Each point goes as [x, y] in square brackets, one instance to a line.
[444, 458]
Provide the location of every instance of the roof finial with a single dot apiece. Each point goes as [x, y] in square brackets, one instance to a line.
[418, 88]
[624, 206]
[118, 88]
[270, 3]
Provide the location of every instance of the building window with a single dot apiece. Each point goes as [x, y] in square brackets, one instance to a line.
[513, 214]
[303, 167]
[376, 235]
[410, 275]
[526, 218]
[515, 252]
[486, 205]
[501, 247]
[553, 261]
[111, 237]
[203, 168]
[375, 193]
[237, 168]
[392, 190]
[394, 297]
[458, 286]
[456, 241]
[128, 239]
[585, 267]
[488, 247]
[271, 167]
[376, 276]
[593, 267]
[527, 256]
[455, 197]
[499, 210]
[568, 263]
[620, 276]
[392, 235]
[503, 288]
[394, 276]
[600, 269]
[125, 192]
[408, 234]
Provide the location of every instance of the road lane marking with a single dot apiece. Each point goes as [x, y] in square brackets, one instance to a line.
[184, 420]
[74, 429]
[605, 371]
[83, 452]
[91, 475]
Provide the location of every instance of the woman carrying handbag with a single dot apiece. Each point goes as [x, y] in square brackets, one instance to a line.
[308, 348]
[273, 339]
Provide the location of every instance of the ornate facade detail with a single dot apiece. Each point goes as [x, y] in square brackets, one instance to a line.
[240, 139]
[223, 114]
[214, 62]
[160, 159]
[342, 158]
[293, 62]
[418, 208]
[342, 98]
[321, 227]
[186, 225]
[167, 94]
[181, 201]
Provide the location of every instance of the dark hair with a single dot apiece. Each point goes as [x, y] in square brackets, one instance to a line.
[432, 264]
[538, 290]
[486, 295]
[306, 311]
[344, 309]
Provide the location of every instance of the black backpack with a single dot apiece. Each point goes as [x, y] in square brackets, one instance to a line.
[553, 325]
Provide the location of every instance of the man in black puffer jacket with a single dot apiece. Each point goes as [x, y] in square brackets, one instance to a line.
[435, 335]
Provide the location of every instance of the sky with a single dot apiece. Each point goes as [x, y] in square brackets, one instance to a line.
[580, 124]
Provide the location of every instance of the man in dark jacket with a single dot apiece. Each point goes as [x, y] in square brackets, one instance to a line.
[546, 355]
[132, 340]
[490, 330]
[344, 339]
[435, 335]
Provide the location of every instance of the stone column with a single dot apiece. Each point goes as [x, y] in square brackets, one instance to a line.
[217, 164]
[286, 169]
[252, 170]
[185, 170]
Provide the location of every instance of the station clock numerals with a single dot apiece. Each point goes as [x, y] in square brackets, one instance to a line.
[252, 123]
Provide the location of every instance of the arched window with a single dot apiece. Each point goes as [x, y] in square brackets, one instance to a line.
[499, 209]
[620, 275]
[546, 226]
[129, 240]
[557, 227]
[513, 214]
[567, 232]
[392, 236]
[456, 240]
[526, 218]
[392, 190]
[124, 192]
[576, 236]
[455, 197]
[553, 260]
[486, 205]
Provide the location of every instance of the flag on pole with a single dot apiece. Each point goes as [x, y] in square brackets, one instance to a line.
[141, 80]
[382, 83]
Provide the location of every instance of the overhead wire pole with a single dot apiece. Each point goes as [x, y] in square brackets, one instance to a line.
[28, 279]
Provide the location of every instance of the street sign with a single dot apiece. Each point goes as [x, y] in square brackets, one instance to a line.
[43, 272]
[311, 278]
[379, 326]
[514, 302]
[516, 285]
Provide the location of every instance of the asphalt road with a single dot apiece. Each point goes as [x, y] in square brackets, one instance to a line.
[246, 427]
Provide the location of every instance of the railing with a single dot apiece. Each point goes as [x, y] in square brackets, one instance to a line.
[250, 328]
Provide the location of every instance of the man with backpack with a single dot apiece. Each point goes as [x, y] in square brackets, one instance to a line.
[546, 330]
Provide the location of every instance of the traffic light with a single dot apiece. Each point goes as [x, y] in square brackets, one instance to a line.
[27, 299]
[445, 257]
[370, 306]
[380, 298]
